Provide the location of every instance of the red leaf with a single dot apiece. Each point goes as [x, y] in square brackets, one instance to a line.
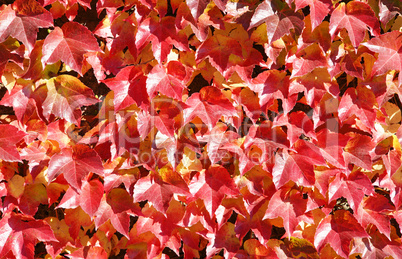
[259, 146]
[165, 115]
[224, 238]
[35, 70]
[323, 178]
[59, 132]
[109, 5]
[18, 99]
[175, 146]
[355, 17]
[249, 101]
[297, 123]
[261, 228]
[377, 246]
[262, 12]
[122, 135]
[338, 230]
[276, 26]
[119, 200]
[70, 200]
[163, 35]
[373, 210]
[360, 102]
[89, 252]
[119, 34]
[289, 205]
[209, 105]
[9, 137]
[76, 219]
[75, 164]
[129, 87]
[297, 167]
[212, 186]
[357, 151]
[22, 20]
[5, 56]
[61, 232]
[218, 49]
[34, 194]
[331, 145]
[271, 85]
[119, 220]
[352, 188]
[19, 234]
[197, 7]
[219, 137]
[69, 44]
[164, 227]
[308, 59]
[91, 196]
[65, 95]
[318, 10]
[255, 248]
[389, 49]
[158, 192]
[169, 81]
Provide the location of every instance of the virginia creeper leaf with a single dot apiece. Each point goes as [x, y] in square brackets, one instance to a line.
[373, 210]
[119, 220]
[338, 230]
[9, 137]
[224, 238]
[289, 205]
[297, 167]
[156, 191]
[65, 95]
[359, 102]
[218, 49]
[169, 81]
[163, 35]
[91, 196]
[209, 105]
[20, 233]
[69, 44]
[129, 87]
[352, 188]
[276, 26]
[22, 20]
[197, 7]
[355, 17]
[357, 151]
[389, 49]
[331, 145]
[318, 10]
[211, 186]
[75, 164]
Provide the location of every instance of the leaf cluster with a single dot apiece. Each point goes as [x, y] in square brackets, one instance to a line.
[200, 129]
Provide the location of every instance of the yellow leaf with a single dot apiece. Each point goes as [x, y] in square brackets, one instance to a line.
[15, 186]
[60, 229]
[393, 118]
[397, 24]
[254, 248]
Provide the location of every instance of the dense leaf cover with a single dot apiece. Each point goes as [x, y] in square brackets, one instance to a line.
[198, 129]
